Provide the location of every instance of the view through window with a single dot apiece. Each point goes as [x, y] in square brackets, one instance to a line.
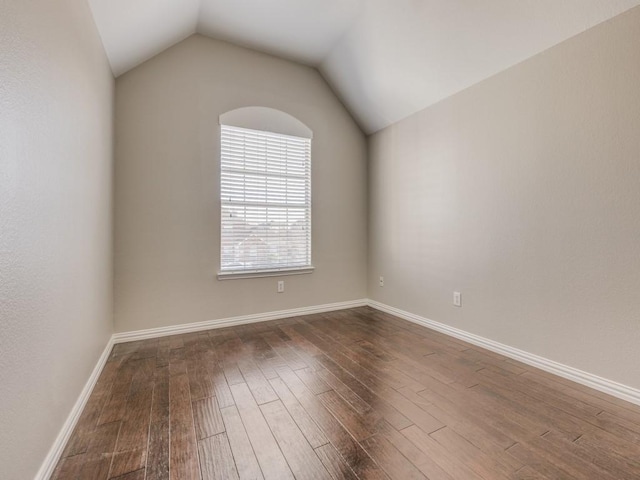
[265, 193]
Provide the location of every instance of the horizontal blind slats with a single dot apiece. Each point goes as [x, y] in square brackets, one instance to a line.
[265, 193]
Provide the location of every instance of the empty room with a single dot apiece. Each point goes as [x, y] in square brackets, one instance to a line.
[319, 239]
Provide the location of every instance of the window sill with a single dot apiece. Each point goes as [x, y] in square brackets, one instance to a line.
[264, 273]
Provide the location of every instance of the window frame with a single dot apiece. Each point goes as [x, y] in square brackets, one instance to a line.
[232, 274]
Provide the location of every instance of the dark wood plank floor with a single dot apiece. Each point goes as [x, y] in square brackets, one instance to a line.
[343, 395]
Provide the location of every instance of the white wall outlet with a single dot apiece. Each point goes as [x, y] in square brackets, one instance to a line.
[457, 299]
[382, 281]
[280, 286]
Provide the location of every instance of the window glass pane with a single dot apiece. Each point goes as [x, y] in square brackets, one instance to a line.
[265, 193]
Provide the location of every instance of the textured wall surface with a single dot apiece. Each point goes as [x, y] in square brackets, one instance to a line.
[523, 193]
[167, 215]
[56, 104]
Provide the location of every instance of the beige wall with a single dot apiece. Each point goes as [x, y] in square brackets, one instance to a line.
[56, 103]
[523, 193]
[167, 215]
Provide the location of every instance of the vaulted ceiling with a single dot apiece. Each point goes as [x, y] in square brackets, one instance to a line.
[386, 59]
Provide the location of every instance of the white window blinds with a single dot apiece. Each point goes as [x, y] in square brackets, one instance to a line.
[265, 193]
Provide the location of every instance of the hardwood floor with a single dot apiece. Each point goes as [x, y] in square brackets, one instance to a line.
[343, 395]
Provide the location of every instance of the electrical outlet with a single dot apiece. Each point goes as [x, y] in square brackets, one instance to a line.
[280, 286]
[382, 281]
[457, 299]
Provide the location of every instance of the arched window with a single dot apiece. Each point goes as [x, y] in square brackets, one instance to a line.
[265, 193]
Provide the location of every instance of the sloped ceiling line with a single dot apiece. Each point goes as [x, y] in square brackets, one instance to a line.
[386, 59]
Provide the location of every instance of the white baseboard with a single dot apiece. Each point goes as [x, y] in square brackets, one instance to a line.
[50, 462]
[598, 383]
[52, 458]
[230, 322]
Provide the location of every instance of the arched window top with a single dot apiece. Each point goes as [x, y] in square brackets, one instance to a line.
[265, 194]
[267, 120]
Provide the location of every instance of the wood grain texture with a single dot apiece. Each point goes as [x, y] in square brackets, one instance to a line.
[302, 460]
[344, 395]
[312, 432]
[183, 459]
[207, 417]
[334, 463]
[158, 454]
[270, 458]
[216, 459]
[246, 461]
